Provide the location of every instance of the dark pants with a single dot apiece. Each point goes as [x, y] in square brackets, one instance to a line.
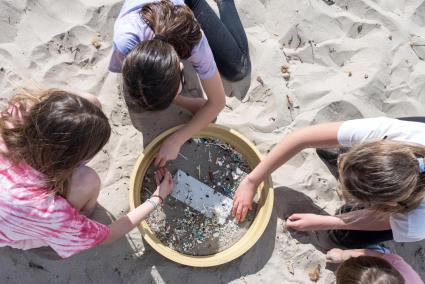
[226, 36]
[355, 238]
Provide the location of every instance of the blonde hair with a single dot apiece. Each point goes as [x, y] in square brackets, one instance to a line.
[367, 270]
[384, 175]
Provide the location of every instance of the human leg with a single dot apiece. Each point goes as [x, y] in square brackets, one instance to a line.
[413, 118]
[226, 36]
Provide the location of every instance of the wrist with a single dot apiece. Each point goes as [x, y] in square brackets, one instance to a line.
[178, 138]
[159, 195]
[157, 198]
[153, 203]
[251, 180]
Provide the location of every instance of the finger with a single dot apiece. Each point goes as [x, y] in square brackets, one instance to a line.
[168, 177]
[291, 224]
[160, 174]
[162, 162]
[235, 207]
[239, 213]
[156, 162]
[157, 179]
[294, 217]
[244, 212]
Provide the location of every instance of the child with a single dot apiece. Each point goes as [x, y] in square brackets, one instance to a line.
[367, 266]
[385, 173]
[45, 187]
[150, 40]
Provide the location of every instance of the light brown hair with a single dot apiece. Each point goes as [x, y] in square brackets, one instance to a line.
[384, 175]
[58, 131]
[367, 270]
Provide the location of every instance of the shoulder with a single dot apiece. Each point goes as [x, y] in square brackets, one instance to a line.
[360, 130]
[129, 31]
[375, 122]
[202, 59]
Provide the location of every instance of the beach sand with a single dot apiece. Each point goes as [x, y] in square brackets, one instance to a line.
[344, 59]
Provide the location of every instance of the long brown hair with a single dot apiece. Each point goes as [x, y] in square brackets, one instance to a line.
[367, 270]
[151, 71]
[384, 175]
[58, 131]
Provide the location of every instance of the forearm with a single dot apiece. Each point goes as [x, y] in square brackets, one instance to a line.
[199, 121]
[125, 224]
[191, 104]
[363, 220]
[214, 90]
[309, 137]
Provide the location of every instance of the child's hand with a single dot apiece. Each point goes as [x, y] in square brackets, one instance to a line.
[169, 150]
[164, 182]
[242, 201]
[336, 255]
[305, 222]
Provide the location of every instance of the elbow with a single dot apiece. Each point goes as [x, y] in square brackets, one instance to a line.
[215, 106]
[109, 240]
[221, 103]
[221, 106]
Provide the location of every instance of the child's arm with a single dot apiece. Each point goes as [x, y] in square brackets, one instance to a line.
[322, 135]
[216, 100]
[337, 255]
[126, 223]
[191, 104]
[367, 220]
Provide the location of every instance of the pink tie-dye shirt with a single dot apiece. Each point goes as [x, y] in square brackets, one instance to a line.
[31, 216]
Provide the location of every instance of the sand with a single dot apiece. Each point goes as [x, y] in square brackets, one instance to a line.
[345, 59]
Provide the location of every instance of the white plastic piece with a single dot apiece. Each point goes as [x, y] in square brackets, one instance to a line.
[201, 197]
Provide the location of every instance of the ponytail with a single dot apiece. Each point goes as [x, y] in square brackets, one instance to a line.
[173, 24]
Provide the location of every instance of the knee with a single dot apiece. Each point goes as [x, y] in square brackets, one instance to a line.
[238, 71]
[92, 98]
[85, 178]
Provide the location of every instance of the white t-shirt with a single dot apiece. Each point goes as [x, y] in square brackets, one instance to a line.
[409, 227]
